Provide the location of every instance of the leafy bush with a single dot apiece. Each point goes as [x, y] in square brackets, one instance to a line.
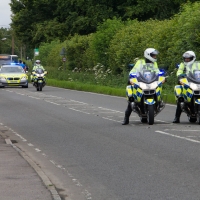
[101, 39]
[76, 48]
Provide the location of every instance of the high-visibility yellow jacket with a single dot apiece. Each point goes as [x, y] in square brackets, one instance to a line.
[140, 64]
[183, 69]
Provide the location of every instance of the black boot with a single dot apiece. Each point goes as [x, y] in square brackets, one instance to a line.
[176, 120]
[126, 121]
[178, 114]
[127, 114]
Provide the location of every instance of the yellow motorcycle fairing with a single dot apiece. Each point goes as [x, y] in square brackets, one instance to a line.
[161, 79]
[134, 90]
[183, 90]
[178, 91]
[187, 93]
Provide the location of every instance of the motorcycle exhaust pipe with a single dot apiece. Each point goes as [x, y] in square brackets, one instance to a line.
[133, 106]
[136, 109]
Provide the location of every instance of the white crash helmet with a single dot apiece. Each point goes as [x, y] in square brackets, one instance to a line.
[37, 62]
[191, 55]
[149, 52]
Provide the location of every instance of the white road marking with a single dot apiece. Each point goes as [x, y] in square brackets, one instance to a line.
[72, 104]
[9, 90]
[38, 150]
[53, 103]
[52, 162]
[20, 93]
[111, 119]
[110, 110]
[78, 101]
[79, 111]
[160, 120]
[23, 139]
[181, 130]
[34, 97]
[176, 136]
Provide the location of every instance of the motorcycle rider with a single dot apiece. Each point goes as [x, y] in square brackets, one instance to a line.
[36, 66]
[188, 64]
[150, 60]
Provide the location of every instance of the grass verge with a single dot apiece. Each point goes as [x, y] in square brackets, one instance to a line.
[168, 98]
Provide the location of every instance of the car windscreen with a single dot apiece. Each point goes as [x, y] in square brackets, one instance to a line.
[11, 69]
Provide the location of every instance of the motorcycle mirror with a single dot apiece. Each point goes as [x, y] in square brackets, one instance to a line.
[162, 72]
[177, 65]
[130, 66]
[132, 75]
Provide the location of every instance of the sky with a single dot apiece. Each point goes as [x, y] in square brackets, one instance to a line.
[5, 13]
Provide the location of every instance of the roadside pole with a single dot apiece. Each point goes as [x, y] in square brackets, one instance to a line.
[64, 59]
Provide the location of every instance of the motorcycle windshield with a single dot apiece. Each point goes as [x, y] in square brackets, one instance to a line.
[147, 73]
[39, 71]
[194, 76]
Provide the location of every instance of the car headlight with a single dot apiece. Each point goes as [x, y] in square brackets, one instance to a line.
[2, 78]
[23, 78]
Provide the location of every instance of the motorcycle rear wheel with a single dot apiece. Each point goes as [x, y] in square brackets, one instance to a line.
[150, 114]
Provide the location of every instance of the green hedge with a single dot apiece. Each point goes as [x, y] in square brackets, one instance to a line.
[117, 43]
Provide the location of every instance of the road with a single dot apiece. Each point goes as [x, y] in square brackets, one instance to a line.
[78, 141]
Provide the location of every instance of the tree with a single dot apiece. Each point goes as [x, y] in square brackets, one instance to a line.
[42, 21]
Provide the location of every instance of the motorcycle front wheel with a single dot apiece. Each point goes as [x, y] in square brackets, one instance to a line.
[40, 86]
[198, 114]
[150, 114]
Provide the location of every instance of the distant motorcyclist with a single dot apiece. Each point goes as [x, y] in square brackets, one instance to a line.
[149, 61]
[36, 66]
[188, 64]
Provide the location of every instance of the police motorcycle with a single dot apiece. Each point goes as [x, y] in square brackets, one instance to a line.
[39, 78]
[188, 94]
[145, 93]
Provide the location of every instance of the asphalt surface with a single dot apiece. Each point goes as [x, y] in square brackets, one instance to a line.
[20, 177]
[78, 141]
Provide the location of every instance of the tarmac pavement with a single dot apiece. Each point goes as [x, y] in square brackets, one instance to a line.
[20, 178]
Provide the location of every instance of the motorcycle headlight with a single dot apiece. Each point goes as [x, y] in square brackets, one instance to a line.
[23, 78]
[39, 75]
